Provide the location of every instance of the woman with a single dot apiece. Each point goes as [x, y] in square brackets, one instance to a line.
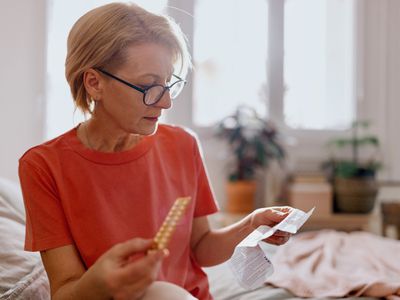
[96, 195]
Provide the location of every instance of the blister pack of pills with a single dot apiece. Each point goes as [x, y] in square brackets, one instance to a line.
[173, 217]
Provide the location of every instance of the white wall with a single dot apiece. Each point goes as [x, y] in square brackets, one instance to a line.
[22, 61]
[393, 89]
[381, 86]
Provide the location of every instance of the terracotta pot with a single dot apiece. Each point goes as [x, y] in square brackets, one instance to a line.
[355, 195]
[240, 196]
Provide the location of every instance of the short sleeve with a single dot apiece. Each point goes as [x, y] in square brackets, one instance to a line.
[46, 225]
[205, 200]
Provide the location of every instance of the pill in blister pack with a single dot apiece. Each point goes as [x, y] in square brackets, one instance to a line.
[166, 230]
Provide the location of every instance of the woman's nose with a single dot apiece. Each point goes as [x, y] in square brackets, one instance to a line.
[165, 101]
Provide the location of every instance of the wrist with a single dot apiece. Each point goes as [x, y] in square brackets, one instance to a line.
[94, 281]
[246, 225]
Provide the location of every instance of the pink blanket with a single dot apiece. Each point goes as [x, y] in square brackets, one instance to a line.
[336, 264]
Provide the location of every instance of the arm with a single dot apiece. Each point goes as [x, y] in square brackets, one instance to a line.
[212, 247]
[113, 276]
[65, 270]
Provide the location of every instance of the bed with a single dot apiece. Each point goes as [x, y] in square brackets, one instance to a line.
[223, 286]
[22, 275]
[322, 264]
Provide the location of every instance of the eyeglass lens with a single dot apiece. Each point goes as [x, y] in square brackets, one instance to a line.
[156, 92]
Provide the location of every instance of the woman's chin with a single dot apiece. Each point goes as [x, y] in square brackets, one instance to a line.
[148, 130]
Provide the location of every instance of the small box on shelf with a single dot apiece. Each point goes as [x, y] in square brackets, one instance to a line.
[311, 190]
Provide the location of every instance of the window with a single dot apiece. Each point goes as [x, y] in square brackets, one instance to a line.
[318, 64]
[310, 44]
[60, 115]
[230, 55]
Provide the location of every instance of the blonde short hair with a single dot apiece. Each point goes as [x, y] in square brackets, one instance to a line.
[98, 40]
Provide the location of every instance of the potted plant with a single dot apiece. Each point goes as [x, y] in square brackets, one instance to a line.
[354, 179]
[254, 142]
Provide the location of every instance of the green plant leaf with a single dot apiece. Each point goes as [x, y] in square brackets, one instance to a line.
[369, 140]
[252, 140]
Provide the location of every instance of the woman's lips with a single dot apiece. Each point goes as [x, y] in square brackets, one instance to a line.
[152, 119]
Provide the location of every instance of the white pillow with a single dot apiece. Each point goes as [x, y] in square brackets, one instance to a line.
[22, 273]
[33, 286]
[12, 203]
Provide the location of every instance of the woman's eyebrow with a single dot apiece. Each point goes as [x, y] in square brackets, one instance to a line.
[154, 76]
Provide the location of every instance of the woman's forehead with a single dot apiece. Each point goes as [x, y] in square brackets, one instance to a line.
[149, 59]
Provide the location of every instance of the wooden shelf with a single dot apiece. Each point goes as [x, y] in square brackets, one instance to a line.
[342, 222]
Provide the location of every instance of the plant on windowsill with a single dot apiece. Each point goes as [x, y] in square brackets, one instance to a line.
[254, 143]
[354, 179]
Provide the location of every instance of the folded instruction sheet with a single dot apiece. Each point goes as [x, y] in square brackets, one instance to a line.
[249, 262]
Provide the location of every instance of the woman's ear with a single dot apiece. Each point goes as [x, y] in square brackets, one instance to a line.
[93, 83]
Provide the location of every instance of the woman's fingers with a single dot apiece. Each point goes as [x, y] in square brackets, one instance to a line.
[277, 240]
[145, 267]
[284, 209]
[278, 213]
[270, 216]
[279, 233]
[131, 247]
[128, 268]
[133, 277]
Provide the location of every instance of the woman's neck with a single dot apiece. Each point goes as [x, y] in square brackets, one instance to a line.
[97, 137]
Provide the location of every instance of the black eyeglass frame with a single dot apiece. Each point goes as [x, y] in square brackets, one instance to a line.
[144, 91]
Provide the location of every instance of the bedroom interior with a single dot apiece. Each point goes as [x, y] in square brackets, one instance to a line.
[309, 87]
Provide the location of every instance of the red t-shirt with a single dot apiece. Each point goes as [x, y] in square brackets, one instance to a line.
[94, 200]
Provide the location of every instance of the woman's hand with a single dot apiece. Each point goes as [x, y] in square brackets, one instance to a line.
[126, 271]
[271, 216]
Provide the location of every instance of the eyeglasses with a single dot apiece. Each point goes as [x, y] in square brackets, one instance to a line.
[152, 94]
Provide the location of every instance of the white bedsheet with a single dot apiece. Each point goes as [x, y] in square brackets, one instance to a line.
[223, 286]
